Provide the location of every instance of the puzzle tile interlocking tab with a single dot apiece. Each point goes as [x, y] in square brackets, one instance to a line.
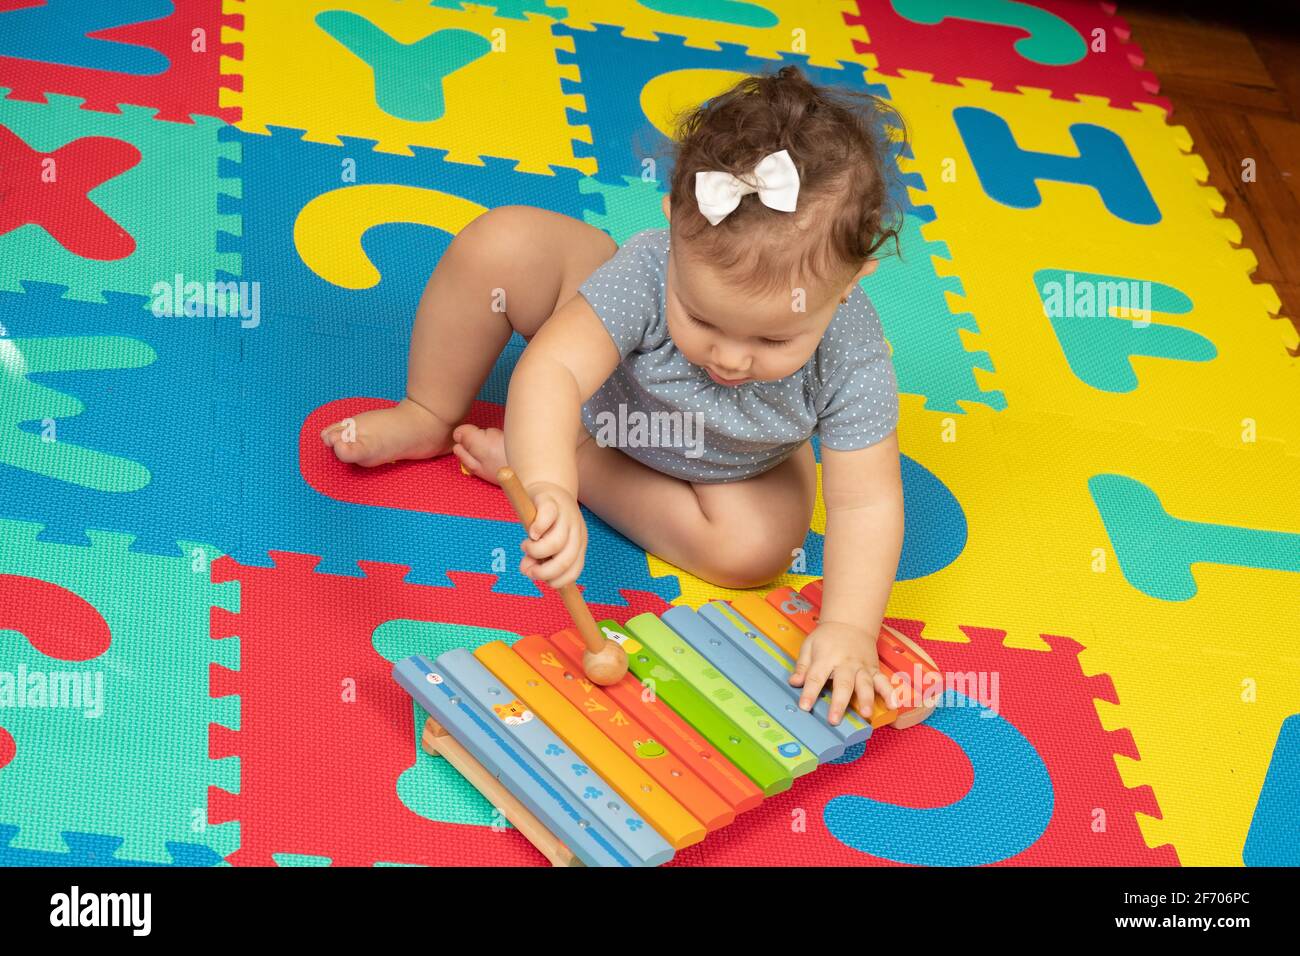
[932, 341]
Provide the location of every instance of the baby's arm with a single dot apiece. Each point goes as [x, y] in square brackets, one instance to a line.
[863, 493]
[564, 364]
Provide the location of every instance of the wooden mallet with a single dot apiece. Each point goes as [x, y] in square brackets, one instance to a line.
[604, 661]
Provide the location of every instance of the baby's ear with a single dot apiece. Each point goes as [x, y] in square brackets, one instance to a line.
[868, 267]
[668, 207]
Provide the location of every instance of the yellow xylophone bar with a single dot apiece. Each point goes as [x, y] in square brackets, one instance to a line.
[625, 729]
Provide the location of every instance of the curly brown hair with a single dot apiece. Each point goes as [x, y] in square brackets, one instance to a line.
[844, 144]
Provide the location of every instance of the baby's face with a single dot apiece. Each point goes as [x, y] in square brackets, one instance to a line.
[738, 338]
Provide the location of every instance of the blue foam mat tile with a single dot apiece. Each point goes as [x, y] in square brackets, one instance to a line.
[615, 68]
[286, 374]
[157, 456]
[92, 849]
[1274, 835]
[404, 253]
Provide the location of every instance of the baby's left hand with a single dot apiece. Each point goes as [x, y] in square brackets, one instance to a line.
[845, 655]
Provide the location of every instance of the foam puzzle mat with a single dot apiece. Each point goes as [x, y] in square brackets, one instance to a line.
[1101, 458]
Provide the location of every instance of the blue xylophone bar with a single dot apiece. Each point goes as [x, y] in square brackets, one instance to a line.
[451, 705]
[779, 665]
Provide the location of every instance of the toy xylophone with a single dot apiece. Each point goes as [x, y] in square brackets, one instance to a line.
[702, 727]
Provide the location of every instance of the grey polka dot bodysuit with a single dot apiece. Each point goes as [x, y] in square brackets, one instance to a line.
[669, 414]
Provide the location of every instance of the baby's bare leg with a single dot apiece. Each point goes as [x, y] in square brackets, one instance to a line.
[735, 534]
[506, 271]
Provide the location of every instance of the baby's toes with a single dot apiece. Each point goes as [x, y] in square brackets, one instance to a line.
[330, 434]
[472, 464]
[488, 445]
[476, 441]
[482, 451]
[357, 452]
[360, 450]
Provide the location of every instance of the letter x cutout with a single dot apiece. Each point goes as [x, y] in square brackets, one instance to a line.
[61, 205]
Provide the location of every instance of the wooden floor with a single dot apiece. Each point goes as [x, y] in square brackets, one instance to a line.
[1236, 87]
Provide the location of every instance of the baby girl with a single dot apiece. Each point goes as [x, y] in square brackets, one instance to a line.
[745, 315]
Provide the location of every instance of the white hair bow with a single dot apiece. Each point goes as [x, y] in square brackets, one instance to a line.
[718, 193]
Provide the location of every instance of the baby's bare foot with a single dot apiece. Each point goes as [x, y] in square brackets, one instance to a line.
[383, 435]
[481, 450]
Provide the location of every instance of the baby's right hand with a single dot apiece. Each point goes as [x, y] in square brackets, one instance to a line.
[560, 548]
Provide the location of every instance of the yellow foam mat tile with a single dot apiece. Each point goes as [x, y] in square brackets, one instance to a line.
[996, 250]
[1204, 681]
[507, 101]
[963, 452]
[765, 30]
